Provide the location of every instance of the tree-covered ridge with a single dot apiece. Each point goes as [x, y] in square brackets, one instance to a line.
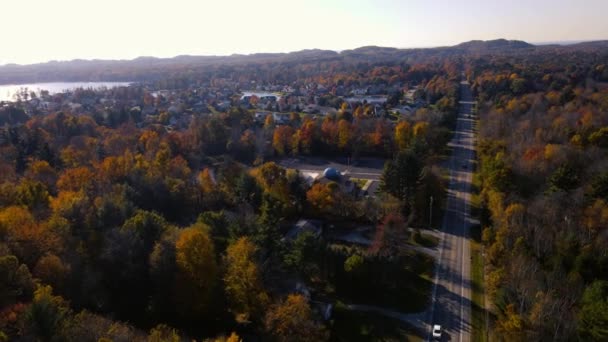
[147, 69]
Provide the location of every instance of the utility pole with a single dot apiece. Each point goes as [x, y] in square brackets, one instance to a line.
[431, 213]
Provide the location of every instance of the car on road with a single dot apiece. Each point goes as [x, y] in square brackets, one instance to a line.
[437, 332]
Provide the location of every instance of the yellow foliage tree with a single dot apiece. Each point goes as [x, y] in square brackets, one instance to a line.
[243, 281]
[27, 239]
[420, 129]
[292, 320]
[403, 133]
[207, 181]
[595, 218]
[76, 179]
[344, 133]
[512, 324]
[197, 269]
[552, 151]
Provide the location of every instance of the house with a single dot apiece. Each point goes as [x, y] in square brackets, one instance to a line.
[327, 111]
[409, 94]
[74, 106]
[360, 91]
[149, 110]
[312, 226]
[333, 175]
[260, 117]
[379, 111]
[223, 106]
[268, 98]
[280, 118]
[403, 110]
[370, 187]
[311, 109]
[174, 108]
[309, 177]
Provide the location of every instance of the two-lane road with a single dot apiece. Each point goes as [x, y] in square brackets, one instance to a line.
[451, 300]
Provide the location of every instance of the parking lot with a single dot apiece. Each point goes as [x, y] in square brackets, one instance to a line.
[363, 168]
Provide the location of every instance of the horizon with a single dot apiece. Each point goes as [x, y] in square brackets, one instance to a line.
[65, 30]
[559, 42]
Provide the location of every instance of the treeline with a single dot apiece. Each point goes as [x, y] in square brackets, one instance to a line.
[278, 67]
[544, 192]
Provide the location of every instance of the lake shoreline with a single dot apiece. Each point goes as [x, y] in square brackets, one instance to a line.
[8, 91]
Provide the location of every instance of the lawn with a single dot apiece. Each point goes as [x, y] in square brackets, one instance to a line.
[349, 326]
[425, 240]
[477, 294]
[403, 285]
[478, 310]
[359, 181]
[479, 315]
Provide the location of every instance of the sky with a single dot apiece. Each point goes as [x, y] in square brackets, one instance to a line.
[34, 31]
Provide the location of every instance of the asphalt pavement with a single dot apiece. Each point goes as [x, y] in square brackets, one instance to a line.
[451, 298]
[364, 168]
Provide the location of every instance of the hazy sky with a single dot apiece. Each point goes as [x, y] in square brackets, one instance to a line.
[41, 30]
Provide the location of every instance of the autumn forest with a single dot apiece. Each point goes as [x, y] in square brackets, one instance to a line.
[166, 210]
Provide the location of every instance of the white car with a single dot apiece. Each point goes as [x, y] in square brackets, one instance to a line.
[437, 332]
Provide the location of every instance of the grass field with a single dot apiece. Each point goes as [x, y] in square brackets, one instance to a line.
[350, 326]
[359, 181]
[425, 240]
[478, 310]
[404, 286]
[477, 295]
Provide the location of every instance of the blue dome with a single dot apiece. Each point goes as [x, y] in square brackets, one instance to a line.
[331, 173]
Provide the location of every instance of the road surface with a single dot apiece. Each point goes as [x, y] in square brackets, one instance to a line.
[451, 298]
[364, 168]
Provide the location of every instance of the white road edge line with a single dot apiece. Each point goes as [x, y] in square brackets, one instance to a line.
[434, 295]
[440, 260]
[464, 225]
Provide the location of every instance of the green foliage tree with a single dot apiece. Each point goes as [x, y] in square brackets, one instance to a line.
[149, 226]
[302, 255]
[52, 270]
[599, 137]
[267, 234]
[15, 281]
[248, 191]
[564, 178]
[400, 176]
[354, 263]
[163, 333]
[593, 314]
[46, 315]
[163, 271]
[32, 194]
[390, 237]
[599, 186]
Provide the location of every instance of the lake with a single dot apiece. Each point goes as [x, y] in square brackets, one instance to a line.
[9, 90]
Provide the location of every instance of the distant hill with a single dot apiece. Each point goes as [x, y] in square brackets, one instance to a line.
[148, 68]
[497, 44]
[593, 44]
